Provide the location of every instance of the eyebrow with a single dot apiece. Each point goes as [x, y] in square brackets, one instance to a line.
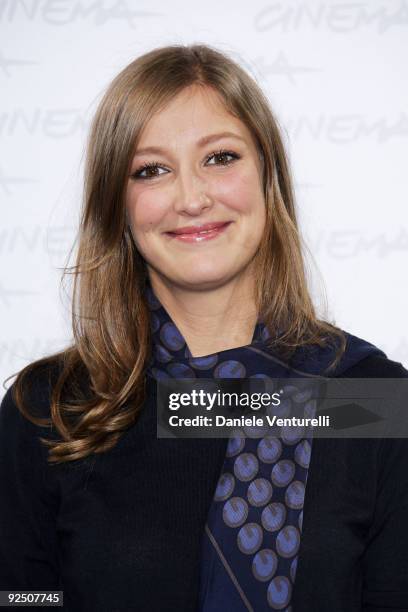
[201, 143]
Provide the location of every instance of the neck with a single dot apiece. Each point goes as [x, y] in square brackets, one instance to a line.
[210, 320]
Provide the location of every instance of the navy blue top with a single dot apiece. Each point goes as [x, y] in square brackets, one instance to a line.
[122, 530]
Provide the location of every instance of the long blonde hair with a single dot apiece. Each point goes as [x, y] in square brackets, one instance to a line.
[110, 318]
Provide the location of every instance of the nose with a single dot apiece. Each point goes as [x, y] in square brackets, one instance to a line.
[192, 197]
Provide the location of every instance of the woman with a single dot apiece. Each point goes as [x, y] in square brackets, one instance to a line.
[189, 264]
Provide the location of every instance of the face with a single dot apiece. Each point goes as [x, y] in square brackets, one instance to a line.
[187, 173]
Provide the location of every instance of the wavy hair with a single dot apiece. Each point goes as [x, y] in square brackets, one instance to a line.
[110, 318]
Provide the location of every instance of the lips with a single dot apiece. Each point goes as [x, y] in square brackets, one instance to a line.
[199, 233]
[198, 229]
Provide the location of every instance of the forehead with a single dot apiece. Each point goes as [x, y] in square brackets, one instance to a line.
[192, 114]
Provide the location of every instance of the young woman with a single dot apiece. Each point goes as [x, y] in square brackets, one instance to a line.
[189, 265]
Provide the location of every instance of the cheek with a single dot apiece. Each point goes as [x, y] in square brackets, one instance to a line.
[144, 212]
[241, 191]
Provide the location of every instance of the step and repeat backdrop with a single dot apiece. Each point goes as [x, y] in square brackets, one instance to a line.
[336, 77]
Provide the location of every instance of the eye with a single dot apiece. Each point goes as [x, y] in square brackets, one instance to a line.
[148, 167]
[221, 155]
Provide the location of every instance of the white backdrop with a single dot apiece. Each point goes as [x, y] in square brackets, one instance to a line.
[336, 76]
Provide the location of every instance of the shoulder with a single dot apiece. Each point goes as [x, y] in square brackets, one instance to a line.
[23, 450]
[380, 366]
[392, 451]
[375, 366]
[33, 387]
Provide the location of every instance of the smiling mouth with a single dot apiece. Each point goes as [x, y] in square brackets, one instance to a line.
[201, 235]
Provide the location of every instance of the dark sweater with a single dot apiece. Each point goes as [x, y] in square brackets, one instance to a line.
[122, 530]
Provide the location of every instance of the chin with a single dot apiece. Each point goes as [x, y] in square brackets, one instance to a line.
[200, 273]
[203, 280]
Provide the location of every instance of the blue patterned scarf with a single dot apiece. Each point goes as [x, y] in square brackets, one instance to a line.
[253, 530]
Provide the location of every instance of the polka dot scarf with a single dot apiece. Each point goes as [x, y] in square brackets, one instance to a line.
[253, 531]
